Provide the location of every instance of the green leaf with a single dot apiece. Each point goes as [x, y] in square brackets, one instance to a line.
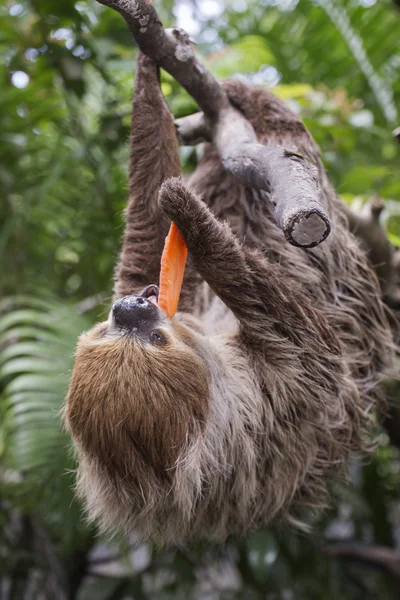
[262, 551]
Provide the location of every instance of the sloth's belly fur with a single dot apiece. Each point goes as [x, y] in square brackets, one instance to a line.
[218, 319]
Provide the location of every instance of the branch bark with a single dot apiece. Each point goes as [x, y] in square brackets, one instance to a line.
[290, 179]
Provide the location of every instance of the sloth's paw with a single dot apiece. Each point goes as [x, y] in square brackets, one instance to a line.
[178, 202]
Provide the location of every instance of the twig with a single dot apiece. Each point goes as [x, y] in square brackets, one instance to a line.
[193, 130]
[367, 226]
[291, 180]
[380, 556]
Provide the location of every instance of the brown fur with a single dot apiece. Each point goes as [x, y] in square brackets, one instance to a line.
[270, 371]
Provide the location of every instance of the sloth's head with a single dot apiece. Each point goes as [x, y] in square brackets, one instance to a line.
[139, 390]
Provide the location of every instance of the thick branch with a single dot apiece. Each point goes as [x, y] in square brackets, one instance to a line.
[291, 180]
[171, 50]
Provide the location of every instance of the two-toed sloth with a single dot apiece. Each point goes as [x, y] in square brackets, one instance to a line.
[240, 408]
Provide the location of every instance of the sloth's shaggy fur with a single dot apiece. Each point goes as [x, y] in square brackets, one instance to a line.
[267, 376]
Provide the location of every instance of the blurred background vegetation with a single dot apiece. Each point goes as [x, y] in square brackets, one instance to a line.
[66, 74]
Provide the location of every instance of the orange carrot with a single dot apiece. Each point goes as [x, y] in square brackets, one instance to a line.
[173, 261]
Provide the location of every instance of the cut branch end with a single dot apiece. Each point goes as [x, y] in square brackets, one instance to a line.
[307, 228]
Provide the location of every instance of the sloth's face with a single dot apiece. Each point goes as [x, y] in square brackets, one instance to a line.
[139, 389]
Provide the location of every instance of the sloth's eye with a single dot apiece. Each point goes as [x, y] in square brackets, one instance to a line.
[156, 337]
[102, 332]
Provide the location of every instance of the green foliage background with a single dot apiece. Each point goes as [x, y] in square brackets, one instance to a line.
[66, 74]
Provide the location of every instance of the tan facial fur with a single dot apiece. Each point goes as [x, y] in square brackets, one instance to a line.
[132, 404]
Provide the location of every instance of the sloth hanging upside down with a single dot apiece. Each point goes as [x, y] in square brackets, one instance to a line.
[239, 409]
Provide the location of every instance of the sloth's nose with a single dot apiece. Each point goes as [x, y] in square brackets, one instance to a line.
[134, 312]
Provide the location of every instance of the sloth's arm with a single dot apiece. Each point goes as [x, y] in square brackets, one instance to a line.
[154, 156]
[251, 286]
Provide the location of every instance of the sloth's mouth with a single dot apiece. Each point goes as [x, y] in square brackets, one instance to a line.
[151, 293]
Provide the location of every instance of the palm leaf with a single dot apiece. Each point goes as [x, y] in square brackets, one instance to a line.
[37, 339]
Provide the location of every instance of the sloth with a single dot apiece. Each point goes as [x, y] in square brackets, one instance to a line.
[240, 409]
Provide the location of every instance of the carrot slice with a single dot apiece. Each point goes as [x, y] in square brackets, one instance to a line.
[173, 262]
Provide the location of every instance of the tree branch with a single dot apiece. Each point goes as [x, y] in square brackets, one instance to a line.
[367, 226]
[171, 49]
[381, 556]
[193, 129]
[290, 179]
